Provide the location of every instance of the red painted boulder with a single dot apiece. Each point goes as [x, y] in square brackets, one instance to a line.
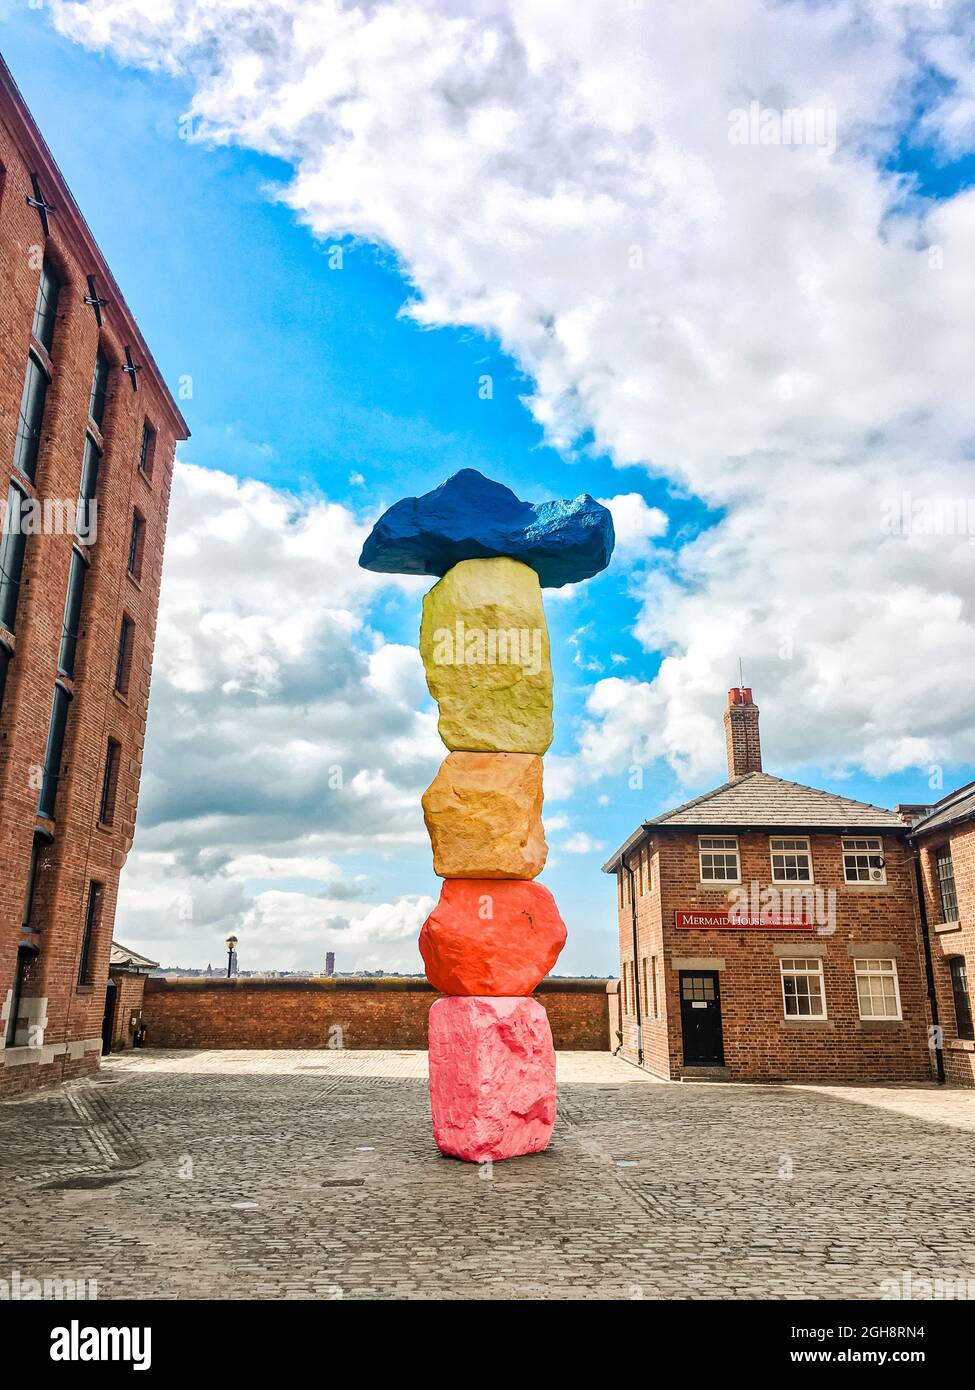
[492, 1077]
[491, 937]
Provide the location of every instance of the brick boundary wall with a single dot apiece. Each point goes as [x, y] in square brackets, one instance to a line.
[371, 1013]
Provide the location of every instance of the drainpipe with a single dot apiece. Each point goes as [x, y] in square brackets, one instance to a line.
[636, 965]
[928, 962]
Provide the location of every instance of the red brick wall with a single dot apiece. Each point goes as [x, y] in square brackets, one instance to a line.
[368, 1013]
[957, 940]
[81, 850]
[759, 1043]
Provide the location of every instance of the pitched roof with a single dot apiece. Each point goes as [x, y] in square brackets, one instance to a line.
[957, 805]
[756, 800]
[123, 957]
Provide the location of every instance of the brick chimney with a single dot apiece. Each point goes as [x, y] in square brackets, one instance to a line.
[741, 732]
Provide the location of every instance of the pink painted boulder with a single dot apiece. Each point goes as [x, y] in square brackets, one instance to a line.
[491, 936]
[492, 1077]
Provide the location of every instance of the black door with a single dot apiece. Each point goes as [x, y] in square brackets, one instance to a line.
[108, 1021]
[700, 1018]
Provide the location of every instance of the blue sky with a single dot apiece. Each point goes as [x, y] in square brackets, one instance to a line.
[312, 380]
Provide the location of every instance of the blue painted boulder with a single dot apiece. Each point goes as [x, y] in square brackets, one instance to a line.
[469, 517]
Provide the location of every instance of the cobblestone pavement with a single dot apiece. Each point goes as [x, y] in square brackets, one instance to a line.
[314, 1174]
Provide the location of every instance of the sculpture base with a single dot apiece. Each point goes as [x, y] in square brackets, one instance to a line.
[492, 1077]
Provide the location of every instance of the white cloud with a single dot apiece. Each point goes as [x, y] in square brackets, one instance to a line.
[763, 324]
[581, 843]
[284, 736]
[635, 522]
[182, 919]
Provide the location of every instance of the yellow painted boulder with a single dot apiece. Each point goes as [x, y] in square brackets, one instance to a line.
[485, 650]
[484, 815]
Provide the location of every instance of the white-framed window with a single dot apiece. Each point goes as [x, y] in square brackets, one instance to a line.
[863, 860]
[791, 859]
[878, 992]
[655, 986]
[803, 991]
[719, 859]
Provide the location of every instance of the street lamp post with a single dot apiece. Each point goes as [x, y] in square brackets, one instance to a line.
[230, 944]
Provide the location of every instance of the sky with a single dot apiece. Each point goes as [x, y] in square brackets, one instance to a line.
[384, 242]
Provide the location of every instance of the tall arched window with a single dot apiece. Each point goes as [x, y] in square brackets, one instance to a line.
[54, 752]
[46, 307]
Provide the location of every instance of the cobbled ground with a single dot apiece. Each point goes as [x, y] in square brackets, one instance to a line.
[314, 1175]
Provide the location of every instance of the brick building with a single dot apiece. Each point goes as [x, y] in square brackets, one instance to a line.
[123, 1024]
[945, 838]
[87, 437]
[770, 931]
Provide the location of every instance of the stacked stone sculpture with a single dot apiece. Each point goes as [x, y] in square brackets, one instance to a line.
[495, 933]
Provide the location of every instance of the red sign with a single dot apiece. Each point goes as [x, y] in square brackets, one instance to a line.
[739, 919]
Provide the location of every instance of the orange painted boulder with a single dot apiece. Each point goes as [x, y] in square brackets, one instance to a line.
[491, 937]
[484, 815]
[492, 1077]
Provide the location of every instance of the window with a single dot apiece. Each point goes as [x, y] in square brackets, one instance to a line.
[99, 387]
[12, 543]
[628, 981]
[46, 307]
[863, 861]
[655, 987]
[89, 474]
[803, 995]
[963, 1003]
[697, 987]
[72, 614]
[147, 449]
[106, 807]
[93, 912]
[123, 661]
[619, 887]
[54, 752]
[137, 545]
[28, 442]
[877, 989]
[5, 655]
[945, 874]
[719, 860]
[791, 860]
[645, 973]
[26, 956]
[38, 863]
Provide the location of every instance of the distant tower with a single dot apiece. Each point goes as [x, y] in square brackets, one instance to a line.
[329, 962]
